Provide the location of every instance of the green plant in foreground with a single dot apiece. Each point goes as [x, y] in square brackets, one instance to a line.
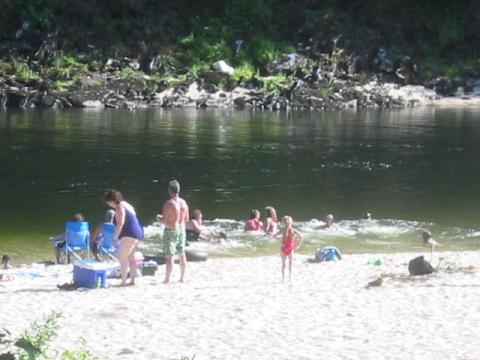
[34, 344]
[78, 354]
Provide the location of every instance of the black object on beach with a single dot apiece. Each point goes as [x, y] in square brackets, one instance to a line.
[419, 266]
[47, 262]
[68, 286]
[376, 283]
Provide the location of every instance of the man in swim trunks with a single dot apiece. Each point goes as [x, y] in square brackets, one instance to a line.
[174, 217]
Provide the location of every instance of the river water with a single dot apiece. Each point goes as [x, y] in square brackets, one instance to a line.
[413, 169]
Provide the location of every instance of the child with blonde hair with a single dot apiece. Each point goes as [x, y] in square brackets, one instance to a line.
[271, 226]
[289, 245]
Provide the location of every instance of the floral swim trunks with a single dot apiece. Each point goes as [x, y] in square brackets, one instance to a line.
[173, 241]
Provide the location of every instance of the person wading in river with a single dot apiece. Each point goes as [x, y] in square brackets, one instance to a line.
[175, 215]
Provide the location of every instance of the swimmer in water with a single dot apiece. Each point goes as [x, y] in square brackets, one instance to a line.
[367, 218]
[329, 223]
[428, 240]
[271, 222]
[196, 231]
[254, 223]
[5, 262]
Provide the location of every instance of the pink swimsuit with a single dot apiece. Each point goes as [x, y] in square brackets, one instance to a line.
[288, 242]
[253, 225]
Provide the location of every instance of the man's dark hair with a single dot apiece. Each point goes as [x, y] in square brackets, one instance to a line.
[174, 186]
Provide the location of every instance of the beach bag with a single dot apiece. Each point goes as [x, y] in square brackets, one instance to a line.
[419, 266]
[329, 253]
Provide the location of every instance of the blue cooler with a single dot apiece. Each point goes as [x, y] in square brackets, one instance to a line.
[83, 276]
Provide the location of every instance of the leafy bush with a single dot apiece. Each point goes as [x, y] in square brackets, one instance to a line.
[23, 70]
[34, 344]
[66, 66]
[260, 50]
[244, 72]
[206, 44]
[277, 83]
[5, 67]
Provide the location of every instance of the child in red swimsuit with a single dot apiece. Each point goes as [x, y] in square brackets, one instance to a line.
[289, 245]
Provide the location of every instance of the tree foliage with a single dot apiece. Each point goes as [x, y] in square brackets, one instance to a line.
[204, 31]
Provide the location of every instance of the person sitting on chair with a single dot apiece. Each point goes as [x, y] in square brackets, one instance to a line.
[97, 236]
[329, 223]
[60, 240]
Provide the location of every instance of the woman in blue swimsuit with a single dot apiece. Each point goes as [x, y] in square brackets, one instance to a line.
[128, 230]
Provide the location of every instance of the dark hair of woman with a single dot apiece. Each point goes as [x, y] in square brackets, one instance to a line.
[113, 196]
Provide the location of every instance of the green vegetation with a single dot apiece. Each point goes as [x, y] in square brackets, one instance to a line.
[244, 72]
[68, 66]
[23, 70]
[277, 83]
[248, 34]
[34, 344]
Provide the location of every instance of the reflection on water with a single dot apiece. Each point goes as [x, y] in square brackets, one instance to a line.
[416, 165]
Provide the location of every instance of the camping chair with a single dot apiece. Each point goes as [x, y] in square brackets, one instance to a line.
[77, 238]
[107, 247]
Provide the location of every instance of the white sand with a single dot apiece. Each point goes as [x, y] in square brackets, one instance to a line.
[457, 102]
[238, 309]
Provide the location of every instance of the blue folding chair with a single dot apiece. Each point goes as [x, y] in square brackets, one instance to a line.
[107, 247]
[77, 238]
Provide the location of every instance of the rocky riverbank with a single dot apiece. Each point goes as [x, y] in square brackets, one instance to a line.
[294, 82]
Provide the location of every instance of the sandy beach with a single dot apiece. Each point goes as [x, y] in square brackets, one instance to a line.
[237, 308]
[457, 101]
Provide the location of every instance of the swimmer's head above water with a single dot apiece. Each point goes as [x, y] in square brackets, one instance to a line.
[329, 219]
[426, 235]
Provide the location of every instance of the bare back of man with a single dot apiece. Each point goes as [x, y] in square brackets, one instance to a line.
[171, 214]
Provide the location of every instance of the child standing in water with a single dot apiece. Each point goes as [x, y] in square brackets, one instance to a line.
[289, 245]
[428, 240]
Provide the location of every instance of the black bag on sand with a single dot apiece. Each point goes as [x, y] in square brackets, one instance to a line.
[419, 266]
